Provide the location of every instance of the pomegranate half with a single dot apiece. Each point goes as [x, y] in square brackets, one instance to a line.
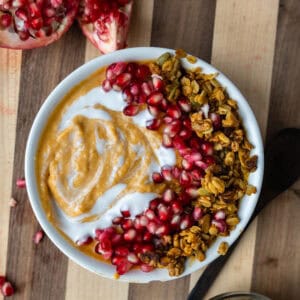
[27, 24]
[105, 22]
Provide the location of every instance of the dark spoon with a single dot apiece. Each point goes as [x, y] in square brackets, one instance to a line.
[282, 169]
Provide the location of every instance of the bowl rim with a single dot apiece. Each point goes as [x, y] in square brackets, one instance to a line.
[55, 97]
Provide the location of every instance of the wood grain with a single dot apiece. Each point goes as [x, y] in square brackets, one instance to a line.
[9, 92]
[233, 53]
[27, 263]
[190, 26]
[277, 249]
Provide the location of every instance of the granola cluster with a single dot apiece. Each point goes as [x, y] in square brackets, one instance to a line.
[214, 118]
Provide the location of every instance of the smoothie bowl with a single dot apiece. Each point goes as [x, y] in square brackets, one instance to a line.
[144, 164]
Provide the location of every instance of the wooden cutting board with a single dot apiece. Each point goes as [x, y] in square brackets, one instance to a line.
[256, 43]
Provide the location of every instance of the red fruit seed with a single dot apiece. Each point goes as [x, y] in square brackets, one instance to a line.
[7, 289]
[157, 177]
[38, 236]
[21, 183]
[131, 110]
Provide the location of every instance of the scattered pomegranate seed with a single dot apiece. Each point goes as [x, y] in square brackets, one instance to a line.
[166, 172]
[184, 105]
[38, 236]
[146, 268]
[186, 222]
[135, 89]
[131, 68]
[174, 112]
[157, 177]
[209, 160]
[176, 207]
[127, 224]
[7, 289]
[187, 123]
[153, 124]
[168, 195]
[125, 213]
[164, 105]
[121, 251]
[131, 110]
[155, 98]
[21, 183]
[13, 202]
[197, 213]
[117, 239]
[146, 88]
[197, 175]
[130, 235]
[115, 69]
[219, 215]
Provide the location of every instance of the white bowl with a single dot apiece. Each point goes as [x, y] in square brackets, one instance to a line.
[136, 54]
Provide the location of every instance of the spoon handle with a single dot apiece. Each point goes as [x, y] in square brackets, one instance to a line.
[281, 171]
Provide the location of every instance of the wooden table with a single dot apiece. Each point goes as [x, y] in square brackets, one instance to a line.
[256, 43]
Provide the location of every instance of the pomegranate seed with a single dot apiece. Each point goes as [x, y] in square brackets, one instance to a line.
[174, 112]
[193, 157]
[179, 143]
[207, 148]
[117, 220]
[142, 99]
[150, 214]
[192, 192]
[147, 236]
[84, 241]
[175, 220]
[176, 207]
[184, 105]
[146, 268]
[117, 239]
[142, 72]
[106, 85]
[122, 81]
[2, 281]
[125, 213]
[7, 289]
[185, 178]
[209, 160]
[107, 233]
[123, 267]
[153, 124]
[219, 215]
[144, 221]
[13, 202]
[151, 227]
[146, 88]
[147, 248]
[56, 3]
[187, 165]
[195, 144]
[37, 23]
[216, 120]
[131, 110]
[115, 69]
[137, 248]
[121, 251]
[185, 134]
[184, 198]
[168, 120]
[187, 123]
[155, 98]
[5, 20]
[21, 183]
[173, 128]
[135, 89]
[163, 212]
[158, 83]
[132, 258]
[116, 260]
[201, 164]
[34, 11]
[167, 141]
[166, 172]
[21, 14]
[168, 195]
[157, 177]
[127, 224]
[137, 224]
[131, 68]
[105, 245]
[176, 172]
[197, 174]
[107, 254]
[38, 236]
[220, 224]
[186, 222]
[153, 110]
[154, 203]
[164, 105]
[130, 235]
[197, 213]
[162, 230]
